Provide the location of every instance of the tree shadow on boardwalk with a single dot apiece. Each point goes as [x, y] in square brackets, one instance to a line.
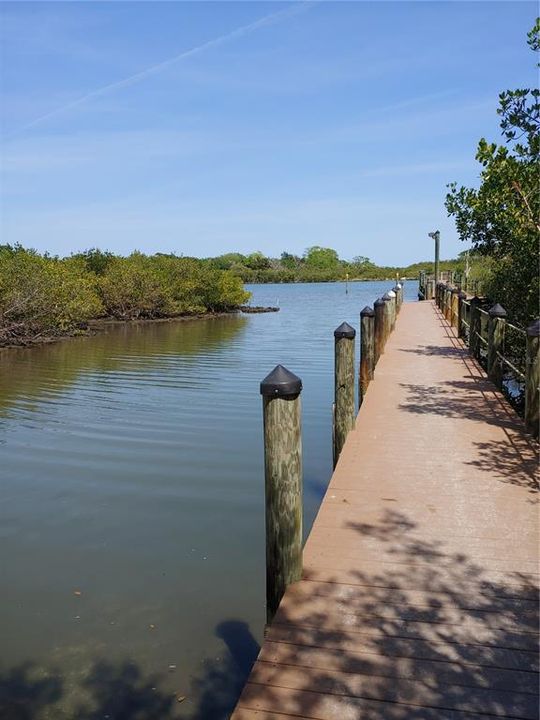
[121, 691]
[435, 351]
[473, 399]
[513, 459]
[515, 463]
[431, 634]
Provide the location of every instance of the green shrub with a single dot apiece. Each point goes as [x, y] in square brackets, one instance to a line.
[42, 296]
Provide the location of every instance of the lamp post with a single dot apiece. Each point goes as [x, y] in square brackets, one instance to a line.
[436, 236]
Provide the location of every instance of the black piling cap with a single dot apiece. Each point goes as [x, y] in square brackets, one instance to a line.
[497, 311]
[476, 300]
[367, 312]
[378, 302]
[344, 331]
[281, 383]
[534, 329]
[462, 295]
[386, 297]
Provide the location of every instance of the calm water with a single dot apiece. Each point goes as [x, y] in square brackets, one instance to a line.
[131, 516]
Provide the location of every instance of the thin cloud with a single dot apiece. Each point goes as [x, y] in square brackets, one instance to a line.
[160, 67]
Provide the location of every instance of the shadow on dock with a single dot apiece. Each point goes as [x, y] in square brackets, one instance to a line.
[437, 631]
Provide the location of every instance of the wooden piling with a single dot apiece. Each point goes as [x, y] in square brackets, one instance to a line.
[395, 290]
[393, 314]
[387, 316]
[474, 327]
[378, 307]
[400, 294]
[532, 379]
[367, 351]
[343, 385]
[497, 321]
[283, 483]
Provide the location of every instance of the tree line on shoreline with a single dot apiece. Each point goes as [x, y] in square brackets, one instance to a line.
[317, 264]
[44, 296]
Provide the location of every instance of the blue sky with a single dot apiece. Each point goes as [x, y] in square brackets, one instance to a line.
[290, 125]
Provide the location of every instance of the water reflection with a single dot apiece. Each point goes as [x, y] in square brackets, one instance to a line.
[29, 374]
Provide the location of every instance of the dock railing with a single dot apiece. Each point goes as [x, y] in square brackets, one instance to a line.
[508, 353]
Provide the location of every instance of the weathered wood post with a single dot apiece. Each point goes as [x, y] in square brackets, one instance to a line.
[378, 307]
[448, 303]
[443, 308]
[343, 385]
[395, 290]
[393, 306]
[387, 316]
[497, 321]
[400, 294]
[454, 301]
[461, 313]
[474, 327]
[532, 378]
[367, 351]
[283, 483]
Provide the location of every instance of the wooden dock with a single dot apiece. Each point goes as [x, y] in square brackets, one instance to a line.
[419, 596]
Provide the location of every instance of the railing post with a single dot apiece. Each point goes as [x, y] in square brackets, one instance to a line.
[461, 312]
[454, 300]
[283, 483]
[367, 351]
[378, 307]
[343, 386]
[474, 327]
[532, 378]
[448, 304]
[497, 321]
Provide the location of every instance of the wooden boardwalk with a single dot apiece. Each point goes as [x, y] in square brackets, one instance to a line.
[420, 590]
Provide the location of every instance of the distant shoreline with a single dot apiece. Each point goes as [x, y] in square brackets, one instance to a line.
[326, 282]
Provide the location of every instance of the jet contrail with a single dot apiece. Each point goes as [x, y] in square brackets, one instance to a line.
[143, 74]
